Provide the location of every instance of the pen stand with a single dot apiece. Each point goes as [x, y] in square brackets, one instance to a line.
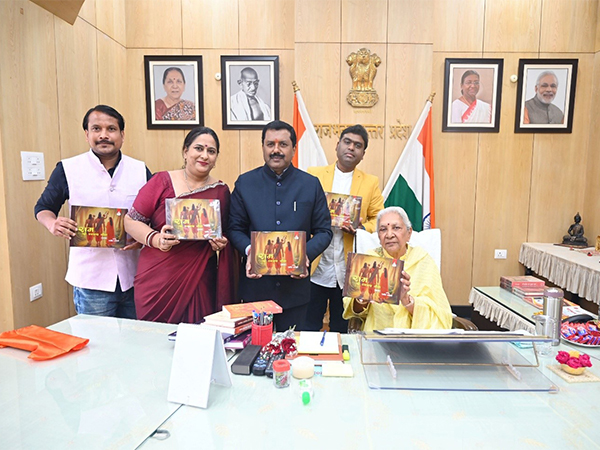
[262, 334]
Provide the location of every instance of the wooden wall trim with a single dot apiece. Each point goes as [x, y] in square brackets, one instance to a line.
[67, 10]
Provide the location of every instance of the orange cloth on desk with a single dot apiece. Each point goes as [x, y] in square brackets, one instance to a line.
[43, 343]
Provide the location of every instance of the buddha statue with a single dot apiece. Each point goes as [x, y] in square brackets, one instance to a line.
[575, 238]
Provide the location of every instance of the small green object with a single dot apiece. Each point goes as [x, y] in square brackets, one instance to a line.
[306, 397]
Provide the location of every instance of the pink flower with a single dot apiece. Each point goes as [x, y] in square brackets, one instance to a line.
[585, 360]
[562, 357]
[574, 363]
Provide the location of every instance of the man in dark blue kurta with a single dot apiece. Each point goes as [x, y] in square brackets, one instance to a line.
[279, 197]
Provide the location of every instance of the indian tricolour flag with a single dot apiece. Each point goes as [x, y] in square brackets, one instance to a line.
[411, 183]
[309, 152]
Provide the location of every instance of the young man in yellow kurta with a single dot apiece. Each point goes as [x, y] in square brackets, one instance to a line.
[328, 271]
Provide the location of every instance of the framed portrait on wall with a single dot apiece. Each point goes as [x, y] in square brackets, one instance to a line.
[250, 91]
[546, 95]
[472, 95]
[174, 94]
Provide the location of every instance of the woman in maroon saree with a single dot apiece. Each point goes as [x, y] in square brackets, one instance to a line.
[181, 281]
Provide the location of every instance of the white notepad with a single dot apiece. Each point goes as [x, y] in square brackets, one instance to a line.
[310, 342]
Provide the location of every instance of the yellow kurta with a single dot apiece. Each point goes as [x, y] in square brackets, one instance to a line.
[431, 310]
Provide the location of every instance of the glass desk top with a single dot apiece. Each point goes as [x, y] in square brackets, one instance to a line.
[110, 394]
[526, 311]
[345, 413]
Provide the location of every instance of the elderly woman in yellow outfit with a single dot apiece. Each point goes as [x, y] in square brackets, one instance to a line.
[423, 302]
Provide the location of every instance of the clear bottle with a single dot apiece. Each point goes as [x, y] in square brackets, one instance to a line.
[306, 391]
[281, 373]
[553, 307]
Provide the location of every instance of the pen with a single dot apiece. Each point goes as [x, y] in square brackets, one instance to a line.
[323, 338]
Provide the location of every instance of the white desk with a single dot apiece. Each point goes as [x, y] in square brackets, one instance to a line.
[572, 270]
[110, 394]
[346, 414]
[113, 394]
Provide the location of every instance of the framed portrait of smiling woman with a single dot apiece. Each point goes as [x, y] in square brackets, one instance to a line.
[472, 94]
[174, 92]
[546, 95]
[249, 91]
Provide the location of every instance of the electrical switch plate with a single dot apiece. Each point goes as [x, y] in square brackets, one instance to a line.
[35, 292]
[500, 254]
[32, 166]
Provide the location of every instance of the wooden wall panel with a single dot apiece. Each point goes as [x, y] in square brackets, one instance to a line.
[591, 220]
[366, 116]
[66, 10]
[30, 122]
[318, 21]
[503, 186]
[228, 162]
[155, 24]
[159, 149]
[364, 21]
[88, 12]
[251, 155]
[318, 76]
[507, 19]
[458, 25]
[597, 41]
[568, 26]
[6, 307]
[110, 19]
[210, 23]
[266, 24]
[77, 78]
[410, 22]
[558, 175]
[455, 172]
[404, 101]
[113, 90]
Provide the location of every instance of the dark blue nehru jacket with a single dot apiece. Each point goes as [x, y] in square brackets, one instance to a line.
[294, 201]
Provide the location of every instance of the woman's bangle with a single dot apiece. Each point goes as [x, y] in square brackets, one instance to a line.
[149, 238]
[411, 301]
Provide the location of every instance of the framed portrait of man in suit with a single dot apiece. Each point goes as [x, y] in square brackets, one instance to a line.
[249, 91]
[546, 95]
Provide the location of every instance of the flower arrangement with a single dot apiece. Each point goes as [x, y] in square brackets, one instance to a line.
[573, 362]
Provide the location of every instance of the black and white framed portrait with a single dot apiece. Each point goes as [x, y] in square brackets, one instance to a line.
[250, 91]
[174, 96]
[472, 95]
[546, 95]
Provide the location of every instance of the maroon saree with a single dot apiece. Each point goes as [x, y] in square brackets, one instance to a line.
[186, 283]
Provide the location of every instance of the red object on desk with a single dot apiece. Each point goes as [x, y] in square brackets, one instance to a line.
[41, 342]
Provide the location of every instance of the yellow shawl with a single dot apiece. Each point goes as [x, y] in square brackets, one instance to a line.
[431, 310]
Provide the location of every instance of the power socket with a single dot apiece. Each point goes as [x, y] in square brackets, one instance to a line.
[500, 253]
[35, 292]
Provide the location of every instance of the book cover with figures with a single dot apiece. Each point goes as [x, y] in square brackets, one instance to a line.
[193, 218]
[99, 227]
[278, 253]
[344, 209]
[373, 278]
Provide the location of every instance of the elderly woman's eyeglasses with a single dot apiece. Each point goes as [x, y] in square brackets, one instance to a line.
[471, 83]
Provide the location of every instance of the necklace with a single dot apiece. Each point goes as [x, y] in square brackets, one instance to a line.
[185, 179]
